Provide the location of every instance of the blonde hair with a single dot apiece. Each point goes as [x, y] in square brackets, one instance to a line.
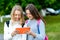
[17, 7]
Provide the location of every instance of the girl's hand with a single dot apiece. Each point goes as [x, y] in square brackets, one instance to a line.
[14, 33]
[31, 33]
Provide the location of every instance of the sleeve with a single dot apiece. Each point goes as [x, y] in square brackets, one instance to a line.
[7, 35]
[41, 36]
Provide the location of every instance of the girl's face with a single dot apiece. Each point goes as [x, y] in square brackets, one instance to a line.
[29, 14]
[17, 15]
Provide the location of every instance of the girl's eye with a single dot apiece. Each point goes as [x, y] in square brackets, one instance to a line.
[15, 14]
[28, 14]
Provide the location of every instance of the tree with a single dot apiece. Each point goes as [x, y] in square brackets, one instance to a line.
[6, 5]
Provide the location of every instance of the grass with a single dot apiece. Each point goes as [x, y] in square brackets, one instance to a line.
[52, 27]
[2, 25]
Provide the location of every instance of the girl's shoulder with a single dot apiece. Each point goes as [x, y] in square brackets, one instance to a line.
[27, 21]
[40, 21]
[7, 23]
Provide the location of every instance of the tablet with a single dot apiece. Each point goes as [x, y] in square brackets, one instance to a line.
[23, 30]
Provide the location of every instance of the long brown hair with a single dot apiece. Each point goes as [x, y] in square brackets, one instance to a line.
[34, 12]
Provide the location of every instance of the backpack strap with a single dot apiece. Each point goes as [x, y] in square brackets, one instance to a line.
[7, 22]
[38, 22]
[26, 21]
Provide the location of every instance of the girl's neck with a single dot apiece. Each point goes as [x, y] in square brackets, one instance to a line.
[31, 19]
[13, 21]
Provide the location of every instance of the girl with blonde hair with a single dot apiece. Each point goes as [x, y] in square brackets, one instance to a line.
[17, 20]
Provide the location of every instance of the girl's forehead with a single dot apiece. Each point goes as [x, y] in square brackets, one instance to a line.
[17, 12]
[27, 11]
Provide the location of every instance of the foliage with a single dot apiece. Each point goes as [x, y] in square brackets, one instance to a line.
[6, 5]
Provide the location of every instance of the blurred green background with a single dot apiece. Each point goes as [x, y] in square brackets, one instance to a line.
[52, 22]
[6, 5]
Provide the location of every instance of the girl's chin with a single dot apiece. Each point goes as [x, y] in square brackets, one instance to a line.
[31, 18]
[16, 20]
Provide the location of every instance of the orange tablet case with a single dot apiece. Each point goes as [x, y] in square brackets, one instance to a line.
[23, 30]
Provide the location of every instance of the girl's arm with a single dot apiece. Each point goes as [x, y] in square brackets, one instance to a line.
[41, 36]
[38, 36]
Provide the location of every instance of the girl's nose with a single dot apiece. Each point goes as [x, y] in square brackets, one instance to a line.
[17, 16]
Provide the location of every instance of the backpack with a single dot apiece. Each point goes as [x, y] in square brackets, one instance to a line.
[7, 22]
[38, 22]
